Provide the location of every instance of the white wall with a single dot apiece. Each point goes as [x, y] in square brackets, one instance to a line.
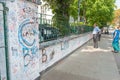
[23, 40]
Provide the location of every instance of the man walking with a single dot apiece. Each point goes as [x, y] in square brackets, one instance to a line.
[96, 31]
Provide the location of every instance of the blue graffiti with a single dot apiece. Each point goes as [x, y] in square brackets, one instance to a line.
[29, 48]
[22, 40]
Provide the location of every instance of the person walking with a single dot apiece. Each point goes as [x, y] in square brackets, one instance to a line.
[95, 33]
[115, 42]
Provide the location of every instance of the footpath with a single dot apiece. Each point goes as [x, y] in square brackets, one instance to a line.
[88, 63]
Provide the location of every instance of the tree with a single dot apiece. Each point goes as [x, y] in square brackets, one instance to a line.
[93, 11]
[60, 9]
[116, 17]
[99, 11]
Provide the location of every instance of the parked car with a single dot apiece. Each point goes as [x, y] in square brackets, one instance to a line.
[105, 30]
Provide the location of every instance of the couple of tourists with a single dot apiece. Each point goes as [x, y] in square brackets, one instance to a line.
[116, 37]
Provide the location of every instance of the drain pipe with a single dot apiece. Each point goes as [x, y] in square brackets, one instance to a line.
[6, 40]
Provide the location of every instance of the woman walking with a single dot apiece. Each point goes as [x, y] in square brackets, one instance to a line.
[115, 42]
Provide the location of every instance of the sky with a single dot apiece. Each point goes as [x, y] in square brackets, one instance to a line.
[117, 4]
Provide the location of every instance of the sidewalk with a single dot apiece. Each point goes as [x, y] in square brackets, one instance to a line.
[87, 63]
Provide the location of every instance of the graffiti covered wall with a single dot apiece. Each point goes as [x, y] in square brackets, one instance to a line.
[26, 59]
[58, 51]
[23, 40]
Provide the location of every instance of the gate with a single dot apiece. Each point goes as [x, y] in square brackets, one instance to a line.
[3, 46]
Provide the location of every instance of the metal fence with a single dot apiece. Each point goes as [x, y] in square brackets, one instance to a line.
[80, 29]
[46, 29]
[49, 32]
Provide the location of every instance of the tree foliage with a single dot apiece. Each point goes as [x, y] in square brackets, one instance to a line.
[93, 11]
[116, 17]
[99, 11]
[60, 9]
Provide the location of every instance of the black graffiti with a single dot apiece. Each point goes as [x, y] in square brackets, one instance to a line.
[52, 55]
